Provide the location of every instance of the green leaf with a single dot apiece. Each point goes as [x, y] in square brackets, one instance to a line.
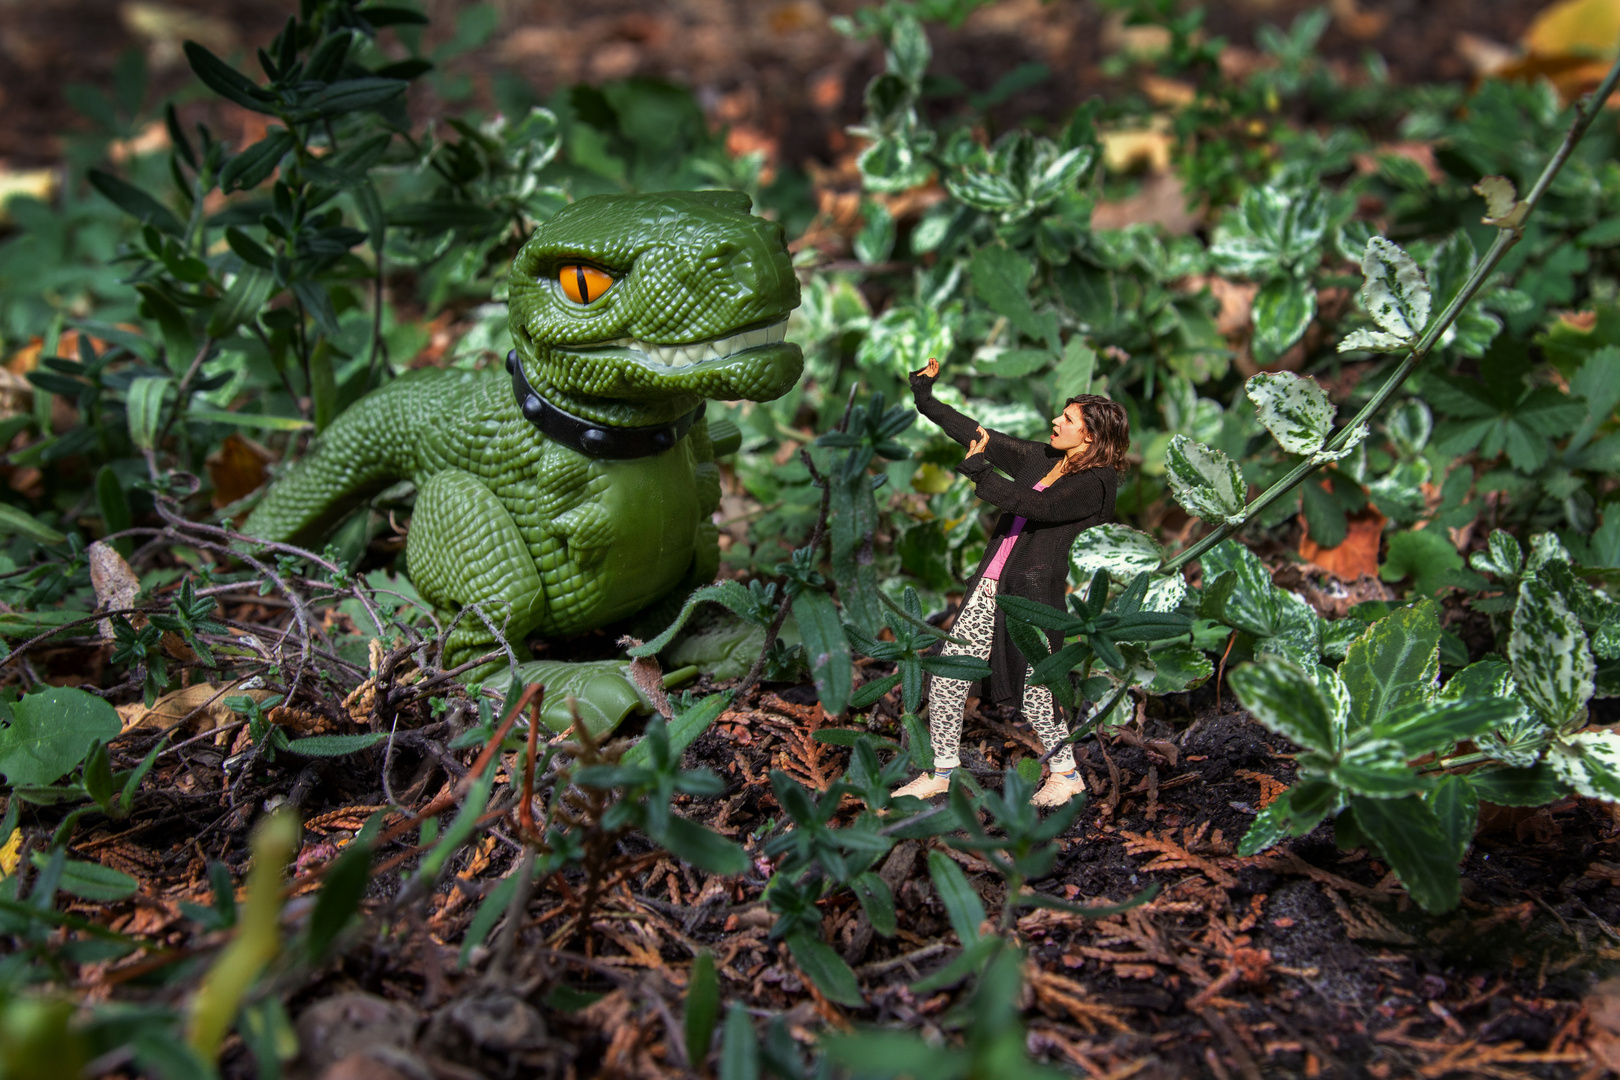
[896, 1054]
[136, 203]
[251, 420]
[731, 595]
[921, 746]
[1282, 312]
[693, 843]
[1074, 372]
[242, 302]
[1408, 835]
[1293, 813]
[15, 522]
[145, 409]
[1427, 556]
[702, 1007]
[1396, 660]
[227, 82]
[51, 732]
[1456, 807]
[491, 909]
[826, 969]
[826, 648]
[962, 904]
[1376, 768]
[1284, 698]
[683, 731]
[329, 746]
[1536, 785]
[340, 895]
[1206, 482]
[1421, 727]
[877, 901]
[1502, 556]
[1551, 658]
[739, 1048]
[254, 165]
[91, 881]
[1001, 279]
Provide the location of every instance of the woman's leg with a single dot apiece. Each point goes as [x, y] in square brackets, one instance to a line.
[947, 698]
[1041, 711]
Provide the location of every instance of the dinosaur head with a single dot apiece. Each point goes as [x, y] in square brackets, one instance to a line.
[630, 309]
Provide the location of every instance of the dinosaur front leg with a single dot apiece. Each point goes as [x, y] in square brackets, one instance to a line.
[464, 548]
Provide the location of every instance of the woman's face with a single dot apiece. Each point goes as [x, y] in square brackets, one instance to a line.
[1069, 430]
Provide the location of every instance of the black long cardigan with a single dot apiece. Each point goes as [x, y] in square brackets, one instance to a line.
[1038, 567]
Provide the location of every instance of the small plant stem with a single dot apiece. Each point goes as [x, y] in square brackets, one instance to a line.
[1585, 112]
[526, 807]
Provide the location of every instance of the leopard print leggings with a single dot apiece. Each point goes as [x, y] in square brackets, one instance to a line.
[947, 698]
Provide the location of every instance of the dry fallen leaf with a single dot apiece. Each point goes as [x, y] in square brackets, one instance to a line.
[1575, 28]
[206, 700]
[237, 469]
[33, 183]
[115, 583]
[1357, 555]
[1144, 148]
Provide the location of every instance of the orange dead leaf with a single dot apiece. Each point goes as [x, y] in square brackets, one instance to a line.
[1356, 555]
[237, 469]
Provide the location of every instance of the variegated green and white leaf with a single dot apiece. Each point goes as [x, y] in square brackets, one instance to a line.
[1545, 548]
[1206, 482]
[1337, 693]
[1372, 341]
[1590, 763]
[1409, 426]
[1358, 434]
[1294, 409]
[1394, 292]
[1376, 768]
[1181, 667]
[1552, 661]
[1123, 552]
[1298, 630]
[1286, 698]
[1518, 741]
[1502, 557]
[1282, 312]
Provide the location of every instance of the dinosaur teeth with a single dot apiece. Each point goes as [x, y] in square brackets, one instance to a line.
[680, 356]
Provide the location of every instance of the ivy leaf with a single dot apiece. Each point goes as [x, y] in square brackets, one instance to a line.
[1206, 482]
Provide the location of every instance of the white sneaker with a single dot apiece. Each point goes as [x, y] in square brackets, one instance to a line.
[1058, 790]
[925, 786]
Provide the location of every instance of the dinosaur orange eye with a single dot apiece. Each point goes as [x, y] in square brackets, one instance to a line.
[581, 283]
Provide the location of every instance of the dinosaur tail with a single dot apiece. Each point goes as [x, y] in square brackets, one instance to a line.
[366, 450]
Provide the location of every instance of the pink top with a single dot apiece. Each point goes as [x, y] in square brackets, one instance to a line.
[993, 571]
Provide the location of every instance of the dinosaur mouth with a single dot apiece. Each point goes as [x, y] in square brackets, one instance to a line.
[669, 359]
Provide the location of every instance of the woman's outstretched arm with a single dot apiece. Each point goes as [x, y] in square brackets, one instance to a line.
[1004, 451]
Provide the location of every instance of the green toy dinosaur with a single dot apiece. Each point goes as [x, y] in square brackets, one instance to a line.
[577, 488]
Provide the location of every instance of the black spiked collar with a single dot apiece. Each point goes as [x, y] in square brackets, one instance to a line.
[589, 437]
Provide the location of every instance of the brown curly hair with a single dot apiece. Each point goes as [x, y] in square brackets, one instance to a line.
[1110, 431]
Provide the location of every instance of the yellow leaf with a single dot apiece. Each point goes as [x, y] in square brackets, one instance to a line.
[1576, 27]
[11, 853]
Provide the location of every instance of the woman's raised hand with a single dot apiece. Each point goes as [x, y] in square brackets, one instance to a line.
[981, 439]
[931, 369]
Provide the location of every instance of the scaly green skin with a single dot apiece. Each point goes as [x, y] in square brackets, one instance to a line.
[540, 538]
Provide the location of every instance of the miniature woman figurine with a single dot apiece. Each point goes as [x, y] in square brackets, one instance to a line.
[1058, 489]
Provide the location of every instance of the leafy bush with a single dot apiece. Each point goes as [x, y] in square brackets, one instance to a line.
[264, 288]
